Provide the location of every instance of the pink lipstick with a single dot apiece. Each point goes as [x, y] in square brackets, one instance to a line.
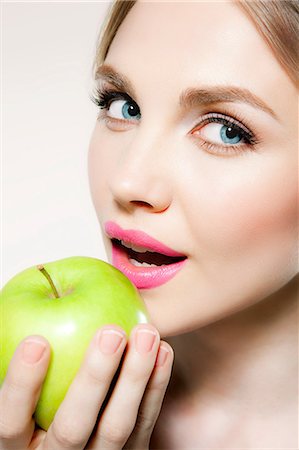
[145, 261]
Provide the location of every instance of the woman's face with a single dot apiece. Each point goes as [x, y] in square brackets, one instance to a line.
[207, 170]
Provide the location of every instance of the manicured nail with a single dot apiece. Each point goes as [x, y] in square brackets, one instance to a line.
[33, 351]
[162, 356]
[110, 341]
[144, 340]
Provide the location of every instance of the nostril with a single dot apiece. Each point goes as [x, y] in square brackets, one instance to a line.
[141, 203]
[157, 208]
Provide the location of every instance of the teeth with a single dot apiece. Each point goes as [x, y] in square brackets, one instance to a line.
[144, 264]
[134, 247]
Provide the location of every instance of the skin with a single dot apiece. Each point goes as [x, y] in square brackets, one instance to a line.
[235, 217]
[230, 313]
[217, 208]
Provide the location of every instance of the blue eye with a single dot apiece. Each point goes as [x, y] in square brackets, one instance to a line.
[218, 133]
[218, 130]
[117, 105]
[221, 134]
[230, 135]
[123, 109]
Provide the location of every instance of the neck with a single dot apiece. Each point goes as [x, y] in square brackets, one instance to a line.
[247, 359]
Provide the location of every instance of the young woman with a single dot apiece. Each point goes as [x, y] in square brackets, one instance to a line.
[193, 171]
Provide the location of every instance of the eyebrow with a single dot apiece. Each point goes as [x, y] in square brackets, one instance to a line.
[191, 97]
[107, 73]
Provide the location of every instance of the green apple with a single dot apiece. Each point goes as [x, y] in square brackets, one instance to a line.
[65, 301]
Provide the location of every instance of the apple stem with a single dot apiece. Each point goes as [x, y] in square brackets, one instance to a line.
[44, 272]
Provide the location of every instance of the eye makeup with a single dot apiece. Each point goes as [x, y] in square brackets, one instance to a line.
[234, 124]
[105, 97]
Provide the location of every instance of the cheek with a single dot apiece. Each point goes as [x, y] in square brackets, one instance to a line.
[249, 218]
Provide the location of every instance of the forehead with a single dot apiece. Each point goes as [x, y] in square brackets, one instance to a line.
[185, 43]
[210, 39]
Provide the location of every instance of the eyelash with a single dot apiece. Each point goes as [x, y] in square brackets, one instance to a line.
[104, 97]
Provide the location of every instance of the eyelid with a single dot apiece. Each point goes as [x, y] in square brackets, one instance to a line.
[238, 119]
[232, 117]
[119, 124]
[252, 138]
[104, 85]
[104, 89]
[104, 98]
[227, 121]
[115, 95]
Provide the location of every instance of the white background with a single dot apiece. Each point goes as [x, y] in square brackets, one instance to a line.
[47, 120]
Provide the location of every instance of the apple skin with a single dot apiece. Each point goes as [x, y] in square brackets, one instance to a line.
[92, 294]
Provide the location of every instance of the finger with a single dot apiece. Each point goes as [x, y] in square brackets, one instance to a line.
[77, 415]
[119, 416]
[152, 400]
[20, 392]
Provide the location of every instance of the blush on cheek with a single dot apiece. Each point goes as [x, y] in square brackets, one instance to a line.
[249, 230]
[267, 213]
[256, 203]
[260, 217]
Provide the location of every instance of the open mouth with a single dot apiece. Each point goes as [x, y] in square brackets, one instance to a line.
[146, 269]
[147, 262]
[141, 257]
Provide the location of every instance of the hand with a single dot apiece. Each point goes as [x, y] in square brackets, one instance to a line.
[127, 416]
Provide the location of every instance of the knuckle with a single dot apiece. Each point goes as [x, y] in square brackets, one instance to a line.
[144, 423]
[137, 374]
[16, 391]
[8, 432]
[115, 434]
[159, 383]
[66, 434]
[17, 384]
[98, 375]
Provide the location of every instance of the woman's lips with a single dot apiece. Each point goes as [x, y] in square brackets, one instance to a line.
[138, 238]
[132, 248]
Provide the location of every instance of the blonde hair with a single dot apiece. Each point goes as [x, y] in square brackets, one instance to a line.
[114, 18]
[276, 20]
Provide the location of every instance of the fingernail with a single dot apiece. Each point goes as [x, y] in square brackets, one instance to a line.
[110, 341]
[145, 340]
[33, 351]
[162, 356]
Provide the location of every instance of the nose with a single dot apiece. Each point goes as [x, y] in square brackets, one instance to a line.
[140, 178]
